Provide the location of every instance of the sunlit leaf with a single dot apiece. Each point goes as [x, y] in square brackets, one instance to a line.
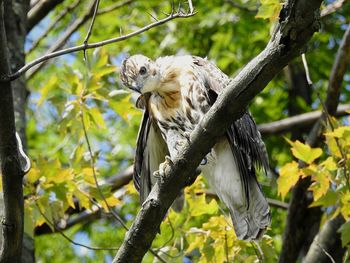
[304, 152]
[289, 176]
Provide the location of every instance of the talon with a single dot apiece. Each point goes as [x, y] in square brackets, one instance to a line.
[168, 160]
[156, 174]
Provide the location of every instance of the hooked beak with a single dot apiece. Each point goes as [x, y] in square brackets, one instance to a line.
[135, 87]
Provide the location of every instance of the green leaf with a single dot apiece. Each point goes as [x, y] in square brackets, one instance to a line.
[344, 231]
[304, 152]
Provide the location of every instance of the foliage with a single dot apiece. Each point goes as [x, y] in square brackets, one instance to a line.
[71, 93]
[329, 174]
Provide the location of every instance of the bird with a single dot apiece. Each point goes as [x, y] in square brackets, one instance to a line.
[175, 93]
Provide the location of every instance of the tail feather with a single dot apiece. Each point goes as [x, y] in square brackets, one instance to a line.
[248, 207]
[250, 223]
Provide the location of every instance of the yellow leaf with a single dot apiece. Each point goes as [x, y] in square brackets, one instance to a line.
[97, 117]
[330, 164]
[88, 175]
[33, 175]
[289, 176]
[345, 207]
[47, 88]
[304, 152]
[339, 132]
[320, 185]
[70, 200]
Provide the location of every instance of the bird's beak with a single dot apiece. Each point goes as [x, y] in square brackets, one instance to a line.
[135, 87]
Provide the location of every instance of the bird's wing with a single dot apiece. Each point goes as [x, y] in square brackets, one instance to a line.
[248, 151]
[150, 152]
[244, 138]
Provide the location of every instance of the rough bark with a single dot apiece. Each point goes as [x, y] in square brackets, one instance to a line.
[301, 219]
[12, 222]
[15, 24]
[327, 246]
[298, 22]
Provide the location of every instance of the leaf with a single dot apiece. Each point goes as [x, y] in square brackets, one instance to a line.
[289, 176]
[304, 152]
[330, 164]
[47, 88]
[344, 231]
[320, 185]
[97, 117]
[345, 205]
[198, 206]
[269, 9]
[329, 199]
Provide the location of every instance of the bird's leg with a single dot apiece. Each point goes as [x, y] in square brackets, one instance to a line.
[164, 168]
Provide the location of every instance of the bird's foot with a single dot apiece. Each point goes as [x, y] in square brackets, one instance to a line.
[164, 168]
[204, 161]
[182, 142]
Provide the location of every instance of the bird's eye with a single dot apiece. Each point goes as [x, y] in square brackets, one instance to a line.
[143, 70]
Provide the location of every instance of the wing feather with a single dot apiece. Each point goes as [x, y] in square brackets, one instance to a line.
[150, 152]
[245, 140]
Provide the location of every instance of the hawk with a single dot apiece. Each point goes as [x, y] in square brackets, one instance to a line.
[176, 92]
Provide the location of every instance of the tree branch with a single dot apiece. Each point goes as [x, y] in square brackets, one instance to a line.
[298, 22]
[61, 15]
[299, 213]
[297, 121]
[39, 11]
[332, 7]
[326, 244]
[37, 61]
[12, 223]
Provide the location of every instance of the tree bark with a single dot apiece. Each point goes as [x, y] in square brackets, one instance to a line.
[12, 222]
[327, 245]
[298, 22]
[15, 24]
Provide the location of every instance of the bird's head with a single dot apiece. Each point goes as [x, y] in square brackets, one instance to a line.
[140, 74]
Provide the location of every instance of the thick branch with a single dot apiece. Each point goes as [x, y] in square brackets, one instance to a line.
[326, 244]
[297, 121]
[12, 223]
[299, 213]
[39, 11]
[298, 22]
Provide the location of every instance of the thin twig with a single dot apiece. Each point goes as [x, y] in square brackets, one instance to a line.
[306, 67]
[86, 40]
[65, 236]
[92, 164]
[37, 61]
[190, 5]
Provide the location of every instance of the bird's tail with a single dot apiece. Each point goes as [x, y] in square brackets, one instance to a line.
[251, 221]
